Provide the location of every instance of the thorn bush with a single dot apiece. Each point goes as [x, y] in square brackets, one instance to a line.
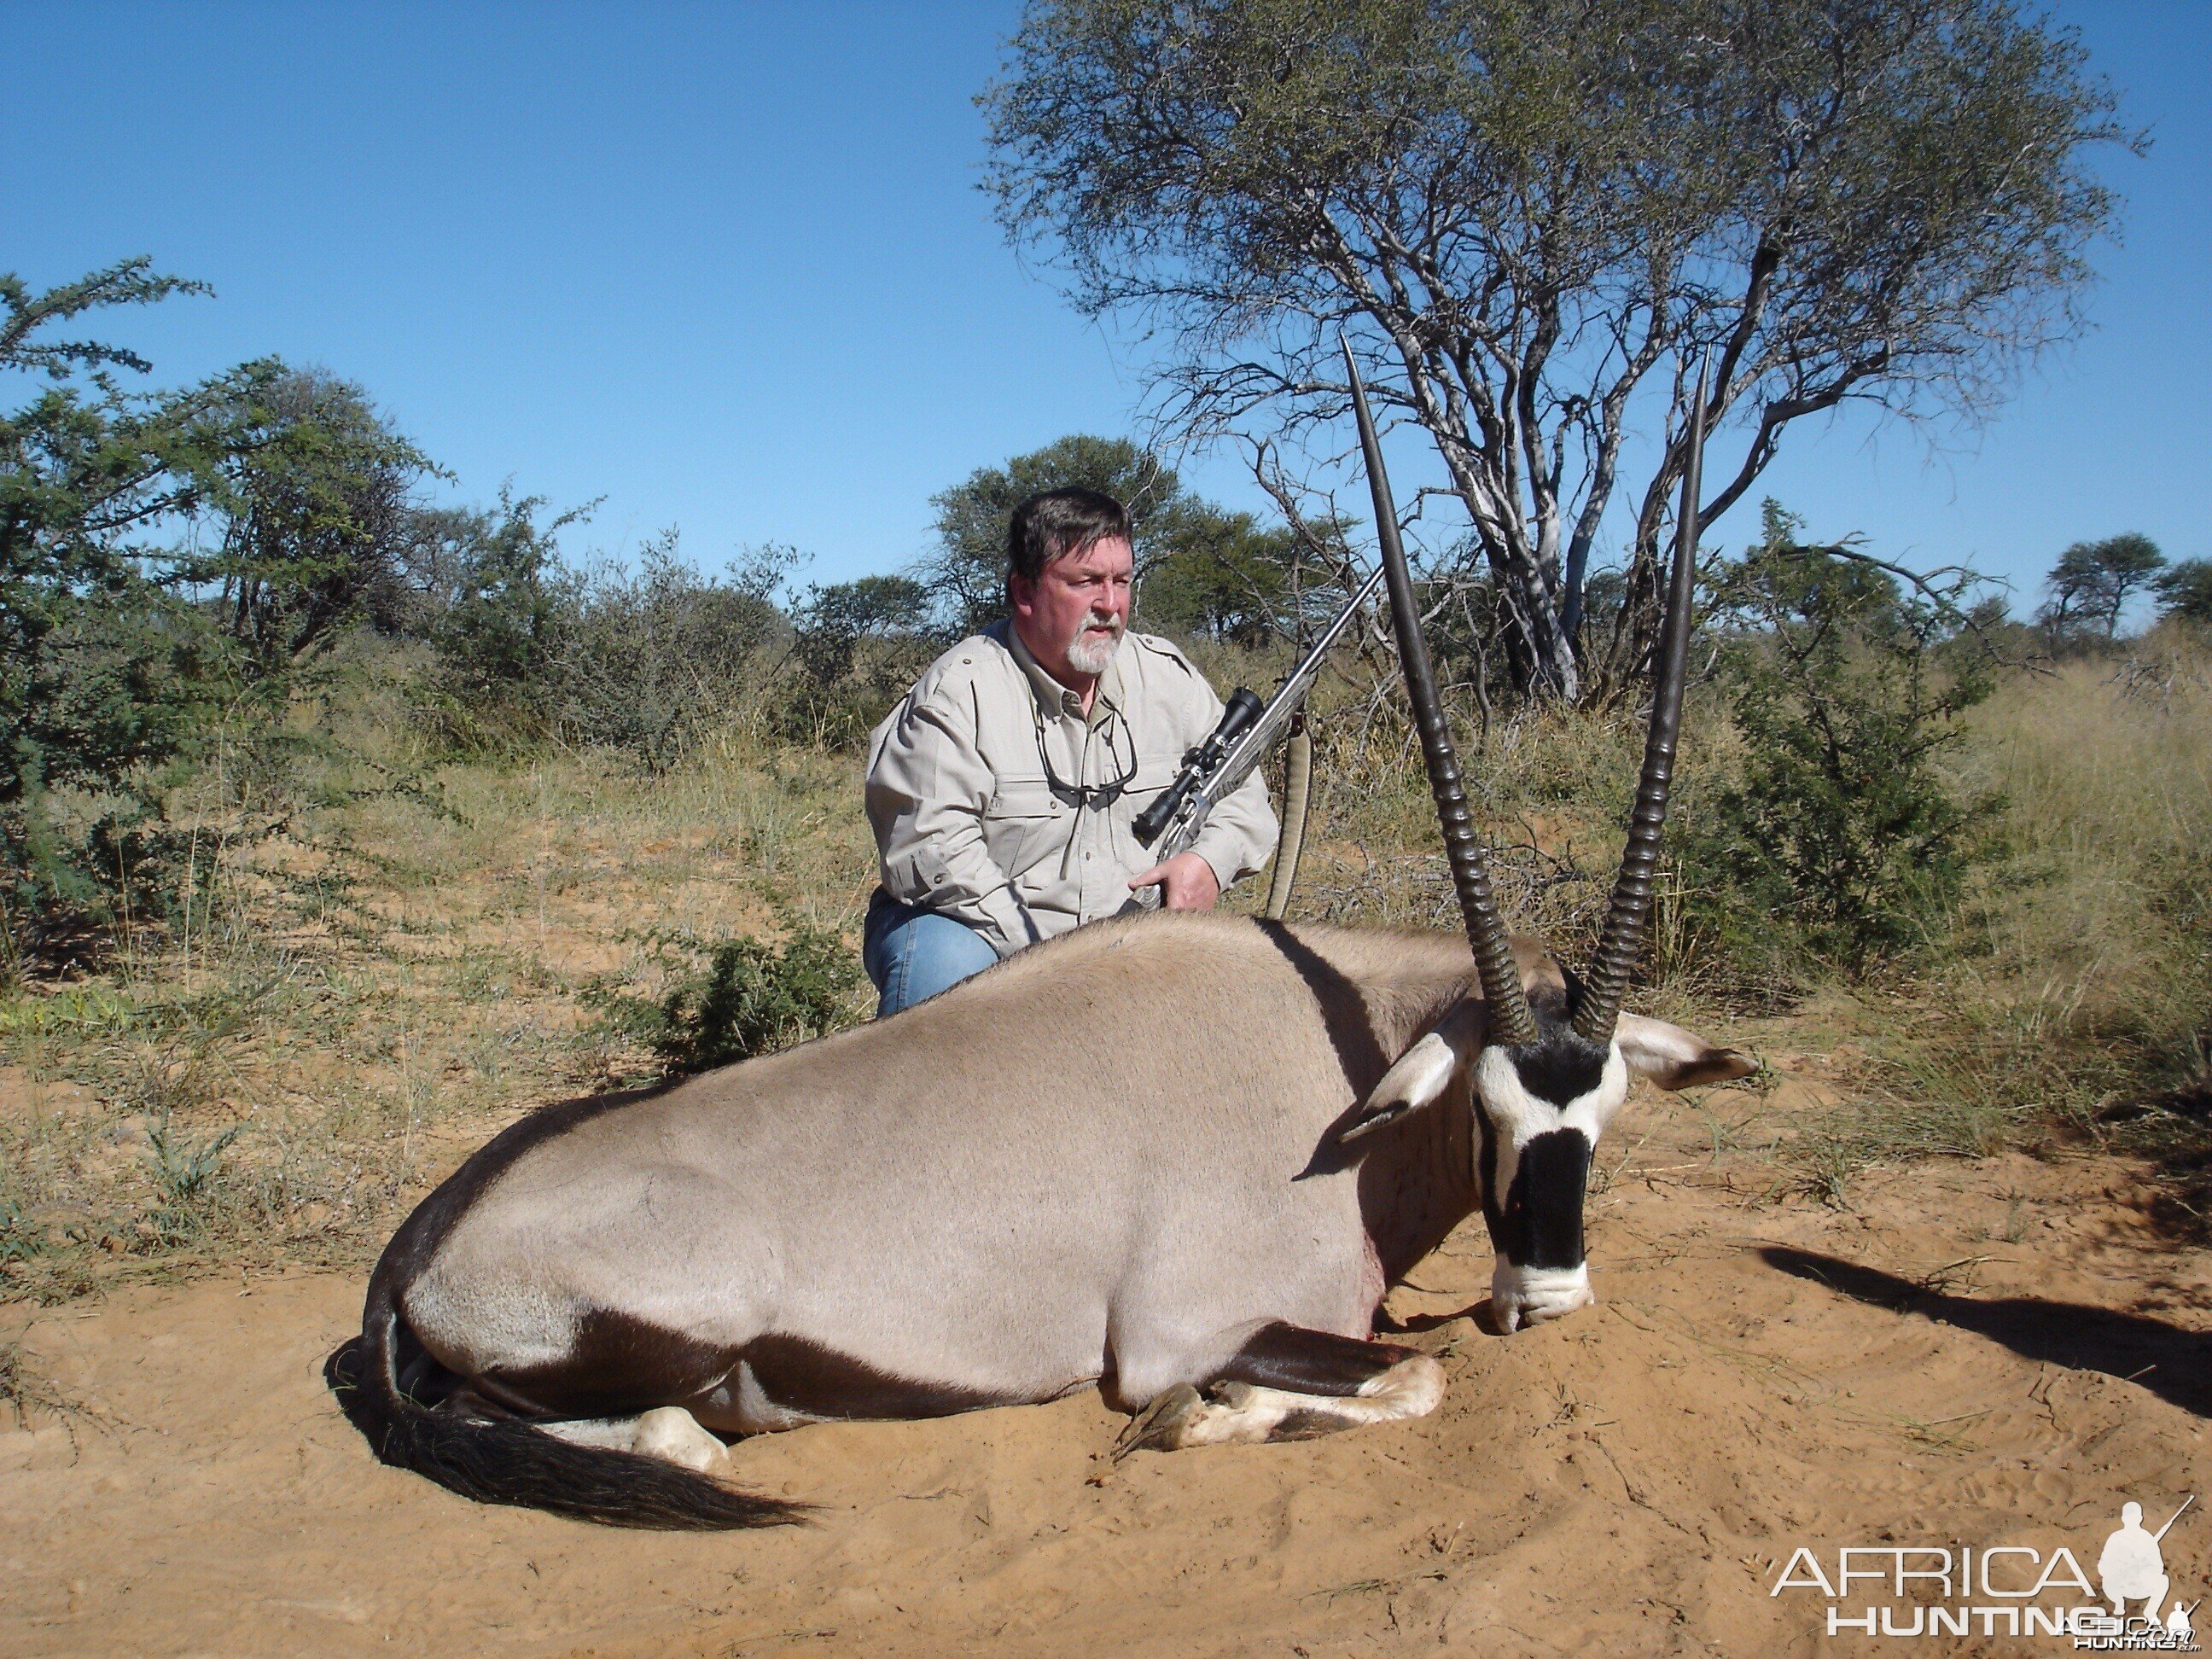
[748, 997]
[1840, 841]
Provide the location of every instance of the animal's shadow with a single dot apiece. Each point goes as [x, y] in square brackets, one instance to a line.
[2173, 1363]
[1345, 1018]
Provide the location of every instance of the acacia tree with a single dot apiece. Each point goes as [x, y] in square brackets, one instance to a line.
[1200, 567]
[1530, 215]
[98, 671]
[315, 509]
[2184, 591]
[970, 569]
[86, 471]
[2093, 580]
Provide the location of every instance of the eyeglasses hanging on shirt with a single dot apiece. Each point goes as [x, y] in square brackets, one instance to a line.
[1098, 796]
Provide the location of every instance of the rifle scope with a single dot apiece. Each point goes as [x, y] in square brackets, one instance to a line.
[1244, 708]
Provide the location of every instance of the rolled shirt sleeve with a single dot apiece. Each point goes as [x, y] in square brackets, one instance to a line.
[927, 789]
[1239, 834]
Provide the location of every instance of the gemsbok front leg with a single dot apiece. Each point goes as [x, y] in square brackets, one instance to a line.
[1288, 1382]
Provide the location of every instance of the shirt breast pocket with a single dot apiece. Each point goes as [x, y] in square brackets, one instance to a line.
[1023, 824]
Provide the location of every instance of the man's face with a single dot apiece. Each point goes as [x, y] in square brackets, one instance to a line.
[1073, 614]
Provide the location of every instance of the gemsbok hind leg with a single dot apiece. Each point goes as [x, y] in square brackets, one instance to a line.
[667, 1433]
[1288, 1382]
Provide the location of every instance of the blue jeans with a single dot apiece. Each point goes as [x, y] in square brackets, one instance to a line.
[912, 955]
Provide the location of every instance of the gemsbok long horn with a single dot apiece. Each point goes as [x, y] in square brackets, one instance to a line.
[1509, 1020]
[1600, 1008]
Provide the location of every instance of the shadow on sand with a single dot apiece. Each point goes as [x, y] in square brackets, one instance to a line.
[2173, 1363]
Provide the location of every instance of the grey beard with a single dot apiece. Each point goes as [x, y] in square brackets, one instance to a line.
[1089, 656]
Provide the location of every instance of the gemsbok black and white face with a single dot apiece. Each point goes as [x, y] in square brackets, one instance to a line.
[1539, 1109]
[1544, 1072]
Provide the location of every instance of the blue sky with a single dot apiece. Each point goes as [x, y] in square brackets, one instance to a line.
[727, 267]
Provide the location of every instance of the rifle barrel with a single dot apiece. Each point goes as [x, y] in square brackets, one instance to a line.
[1291, 690]
[2176, 1516]
[1200, 793]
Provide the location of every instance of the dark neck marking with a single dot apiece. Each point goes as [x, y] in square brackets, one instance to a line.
[1559, 1068]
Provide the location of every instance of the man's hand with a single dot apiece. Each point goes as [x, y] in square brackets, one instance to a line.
[1186, 882]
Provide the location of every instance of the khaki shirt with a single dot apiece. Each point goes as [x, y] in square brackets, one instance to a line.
[963, 811]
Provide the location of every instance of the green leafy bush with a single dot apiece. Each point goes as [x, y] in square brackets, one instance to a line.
[1839, 840]
[650, 663]
[101, 667]
[743, 997]
[2184, 591]
[491, 580]
[21, 1236]
[858, 647]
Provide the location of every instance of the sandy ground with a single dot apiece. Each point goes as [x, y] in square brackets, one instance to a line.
[1980, 1354]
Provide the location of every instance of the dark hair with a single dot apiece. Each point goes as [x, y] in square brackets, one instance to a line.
[1054, 522]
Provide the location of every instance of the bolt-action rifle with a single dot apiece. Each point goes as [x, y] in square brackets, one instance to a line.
[1213, 771]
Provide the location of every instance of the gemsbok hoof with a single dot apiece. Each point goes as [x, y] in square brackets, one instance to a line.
[674, 1435]
[1159, 1427]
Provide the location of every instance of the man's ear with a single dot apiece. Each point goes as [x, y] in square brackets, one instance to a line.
[1675, 1059]
[1424, 1071]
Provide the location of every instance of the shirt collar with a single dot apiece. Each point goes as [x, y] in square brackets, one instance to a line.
[1055, 698]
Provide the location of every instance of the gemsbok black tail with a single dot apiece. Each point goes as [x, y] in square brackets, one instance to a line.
[513, 1462]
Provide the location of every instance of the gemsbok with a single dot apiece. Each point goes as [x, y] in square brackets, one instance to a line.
[1178, 1157]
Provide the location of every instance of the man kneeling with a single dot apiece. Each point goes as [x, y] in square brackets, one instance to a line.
[1002, 788]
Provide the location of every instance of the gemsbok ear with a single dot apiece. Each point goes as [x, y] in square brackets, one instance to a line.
[1423, 1072]
[1675, 1059]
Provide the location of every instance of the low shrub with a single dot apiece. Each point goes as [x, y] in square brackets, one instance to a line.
[738, 997]
[183, 1172]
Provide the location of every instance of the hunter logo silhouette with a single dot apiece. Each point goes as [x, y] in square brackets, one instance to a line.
[2132, 1567]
